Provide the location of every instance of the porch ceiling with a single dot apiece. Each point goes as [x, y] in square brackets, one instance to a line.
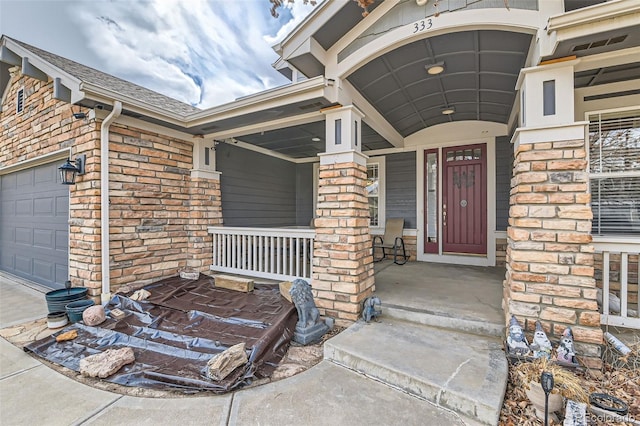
[481, 69]
[296, 142]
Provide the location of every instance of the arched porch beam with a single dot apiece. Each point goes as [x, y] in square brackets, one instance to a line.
[515, 20]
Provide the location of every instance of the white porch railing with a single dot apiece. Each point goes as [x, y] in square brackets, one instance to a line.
[624, 249]
[274, 253]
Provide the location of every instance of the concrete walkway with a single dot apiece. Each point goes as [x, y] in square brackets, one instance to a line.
[327, 394]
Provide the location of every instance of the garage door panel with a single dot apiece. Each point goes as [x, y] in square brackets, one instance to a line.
[8, 208]
[7, 260]
[43, 207]
[24, 178]
[22, 264]
[24, 207]
[62, 241]
[46, 173]
[43, 270]
[34, 225]
[23, 236]
[8, 182]
[62, 206]
[61, 273]
[44, 238]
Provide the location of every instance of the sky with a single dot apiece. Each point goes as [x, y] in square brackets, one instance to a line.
[202, 52]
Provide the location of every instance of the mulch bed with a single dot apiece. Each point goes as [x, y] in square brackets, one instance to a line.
[619, 377]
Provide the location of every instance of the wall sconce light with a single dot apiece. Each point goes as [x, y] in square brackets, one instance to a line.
[78, 115]
[435, 69]
[69, 171]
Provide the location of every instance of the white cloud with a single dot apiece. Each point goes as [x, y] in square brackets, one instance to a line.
[201, 52]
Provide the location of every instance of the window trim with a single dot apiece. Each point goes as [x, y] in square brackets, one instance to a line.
[382, 193]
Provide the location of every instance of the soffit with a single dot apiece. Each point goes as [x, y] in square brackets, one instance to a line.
[340, 23]
[296, 142]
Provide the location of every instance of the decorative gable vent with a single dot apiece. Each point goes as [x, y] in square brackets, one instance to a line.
[20, 101]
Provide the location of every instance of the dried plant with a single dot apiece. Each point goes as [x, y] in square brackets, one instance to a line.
[566, 383]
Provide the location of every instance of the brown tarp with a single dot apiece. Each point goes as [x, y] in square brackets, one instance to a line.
[178, 329]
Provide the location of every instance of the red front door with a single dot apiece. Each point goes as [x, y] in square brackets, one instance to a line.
[464, 199]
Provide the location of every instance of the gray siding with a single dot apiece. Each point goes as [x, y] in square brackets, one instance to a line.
[406, 12]
[256, 189]
[504, 166]
[304, 194]
[401, 187]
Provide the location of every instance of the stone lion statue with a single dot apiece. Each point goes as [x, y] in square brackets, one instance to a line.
[303, 300]
[371, 308]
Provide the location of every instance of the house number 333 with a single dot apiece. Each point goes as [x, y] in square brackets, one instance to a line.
[425, 24]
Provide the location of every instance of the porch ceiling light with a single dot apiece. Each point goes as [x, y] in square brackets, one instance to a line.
[435, 69]
[316, 139]
[448, 110]
[72, 168]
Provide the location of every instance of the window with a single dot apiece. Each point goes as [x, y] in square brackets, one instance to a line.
[549, 97]
[375, 191]
[20, 101]
[614, 166]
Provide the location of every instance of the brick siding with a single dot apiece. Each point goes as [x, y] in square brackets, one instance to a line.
[159, 214]
[549, 253]
[342, 264]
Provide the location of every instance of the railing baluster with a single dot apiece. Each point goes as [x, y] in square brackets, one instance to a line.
[255, 253]
[298, 256]
[605, 283]
[272, 256]
[277, 253]
[638, 286]
[219, 249]
[225, 242]
[624, 275]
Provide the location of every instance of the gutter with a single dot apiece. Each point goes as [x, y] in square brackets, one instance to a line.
[104, 199]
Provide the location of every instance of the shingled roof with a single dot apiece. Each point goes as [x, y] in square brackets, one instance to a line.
[111, 83]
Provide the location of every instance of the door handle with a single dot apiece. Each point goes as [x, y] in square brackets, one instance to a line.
[444, 215]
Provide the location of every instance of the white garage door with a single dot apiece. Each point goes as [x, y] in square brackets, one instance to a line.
[34, 229]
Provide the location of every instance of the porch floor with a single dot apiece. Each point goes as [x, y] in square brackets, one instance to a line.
[465, 293]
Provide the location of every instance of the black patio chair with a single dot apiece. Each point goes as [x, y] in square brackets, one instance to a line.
[391, 240]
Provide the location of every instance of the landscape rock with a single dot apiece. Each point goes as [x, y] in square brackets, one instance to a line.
[94, 315]
[67, 335]
[285, 288]
[287, 370]
[306, 355]
[104, 364]
[140, 295]
[222, 364]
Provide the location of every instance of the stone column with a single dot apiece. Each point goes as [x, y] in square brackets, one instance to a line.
[549, 259]
[343, 263]
[205, 205]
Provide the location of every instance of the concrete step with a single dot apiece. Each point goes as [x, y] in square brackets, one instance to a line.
[466, 323]
[463, 372]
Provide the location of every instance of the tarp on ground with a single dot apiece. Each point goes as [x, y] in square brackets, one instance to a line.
[178, 329]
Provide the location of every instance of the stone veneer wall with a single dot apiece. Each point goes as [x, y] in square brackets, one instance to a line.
[343, 264]
[549, 256]
[45, 125]
[159, 214]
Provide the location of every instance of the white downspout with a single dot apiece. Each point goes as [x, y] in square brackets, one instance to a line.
[104, 198]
